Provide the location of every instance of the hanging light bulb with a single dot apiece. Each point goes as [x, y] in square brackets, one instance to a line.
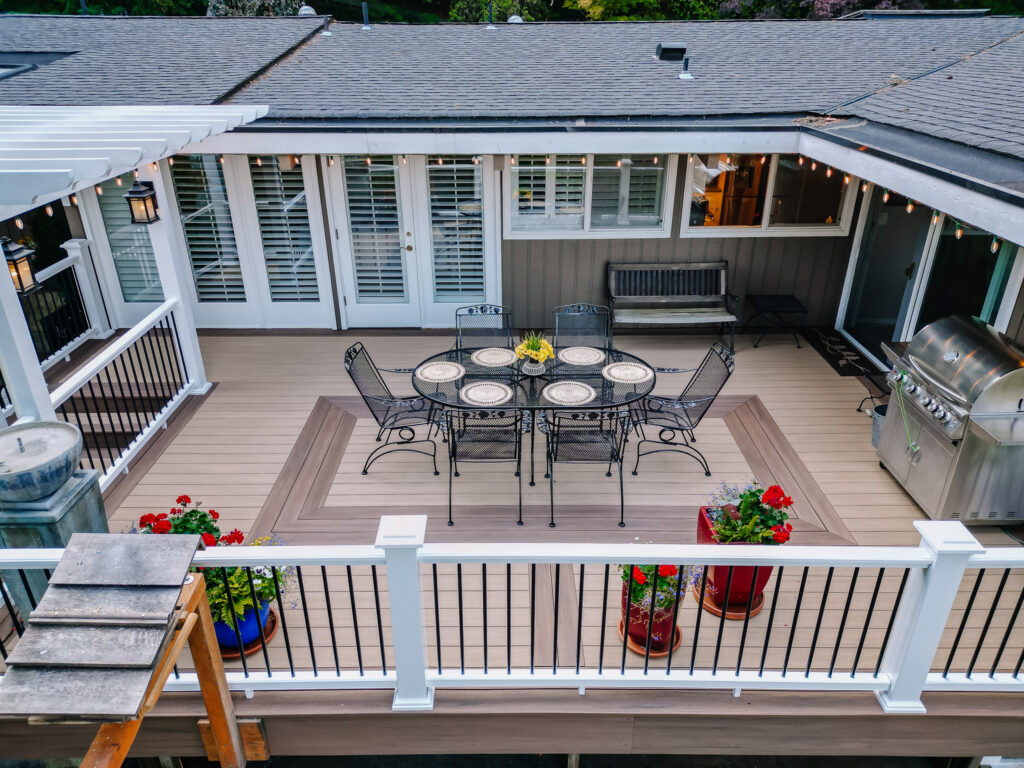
[689, 159]
[814, 165]
[800, 160]
[583, 160]
[828, 172]
[864, 187]
[330, 161]
[296, 160]
[49, 210]
[153, 167]
[440, 161]
[221, 159]
[259, 161]
[885, 196]
[618, 163]
[476, 159]
[99, 190]
[846, 179]
[170, 161]
[74, 199]
[763, 158]
[118, 181]
[19, 223]
[655, 159]
[404, 159]
[547, 159]
[369, 161]
[959, 231]
[910, 206]
[995, 245]
[512, 161]
[935, 217]
[135, 173]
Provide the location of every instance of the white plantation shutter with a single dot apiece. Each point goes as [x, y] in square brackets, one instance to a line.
[203, 205]
[284, 229]
[548, 192]
[457, 231]
[375, 228]
[129, 244]
[627, 191]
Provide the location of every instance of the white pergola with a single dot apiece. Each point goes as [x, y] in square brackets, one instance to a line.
[50, 152]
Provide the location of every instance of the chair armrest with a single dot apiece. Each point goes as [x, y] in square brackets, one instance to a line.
[658, 369]
[397, 370]
[666, 402]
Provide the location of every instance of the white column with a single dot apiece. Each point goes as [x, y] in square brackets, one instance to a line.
[88, 285]
[401, 536]
[924, 611]
[170, 263]
[23, 378]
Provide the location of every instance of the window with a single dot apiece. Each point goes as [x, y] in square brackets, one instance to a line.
[129, 244]
[283, 217]
[596, 195]
[733, 191]
[457, 227]
[209, 236]
[968, 275]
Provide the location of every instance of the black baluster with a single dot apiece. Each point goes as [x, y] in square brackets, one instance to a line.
[533, 608]
[817, 623]
[604, 619]
[259, 624]
[746, 618]
[554, 633]
[97, 448]
[28, 588]
[158, 364]
[130, 396]
[177, 341]
[988, 621]
[483, 577]
[19, 625]
[625, 620]
[126, 437]
[867, 622]
[153, 388]
[579, 621]
[700, 612]
[380, 622]
[963, 622]
[721, 620]
[462, 635]
[330, 619]
[680, 574]
[842, 621]
[235, 620]
[437, 619]
[284, 625]
[305, 617]
[355, 619]
[771, 621]
[1006, 636]
[796, 615]
[508, 617]
[170, 353]
[145, 399]
[112, 453]
[892, 620]
[650, 620]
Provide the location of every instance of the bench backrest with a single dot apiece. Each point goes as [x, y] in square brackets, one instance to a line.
[697, 279]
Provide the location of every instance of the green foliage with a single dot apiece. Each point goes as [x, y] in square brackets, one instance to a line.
[242, 595]
[757, 517]
[253, 7]
[670, 581]
[645, 10]
[477, 10]
[110, 7]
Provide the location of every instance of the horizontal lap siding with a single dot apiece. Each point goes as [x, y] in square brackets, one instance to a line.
[1015, 330]
[540, 274]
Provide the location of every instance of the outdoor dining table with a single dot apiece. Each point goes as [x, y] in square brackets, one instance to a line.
[612, 379]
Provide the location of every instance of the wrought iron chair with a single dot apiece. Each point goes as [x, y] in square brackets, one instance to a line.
[679, 417]
[586, 437]
[484, 437]
[395, 416]
[582, 325]
[482, 325]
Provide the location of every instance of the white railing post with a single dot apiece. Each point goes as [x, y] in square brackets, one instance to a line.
[170, 263]
[88, 285]
[401, 537]
[923, 613]
[19, 363]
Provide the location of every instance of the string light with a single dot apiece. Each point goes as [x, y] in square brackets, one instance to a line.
[135, 173]
[959, 231]
[618, 163]
[864, 187]
[406, 160]
[512, 161]
[935, 217]
[221, 159]
[655, 159]
[99, 190]
[763, 158]
[885, 196]
[547, 159]
[689, 159]
[330, 161]
[800, 160]
[828, 172]
[118, 181]
[476, 159]
[583, 160]
[152, 167]
[995, 245]
[19, 223]
[296, 160]
[74, 199]
[259, 161]
[846, 179]
[369, 161]
[170, 161]
[814, 165]
[910, 206]
[49, 210]
[440, 161]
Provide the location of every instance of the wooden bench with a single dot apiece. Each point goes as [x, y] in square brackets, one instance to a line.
[672, 295]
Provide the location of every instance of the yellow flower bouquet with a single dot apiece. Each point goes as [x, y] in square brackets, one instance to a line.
[535, 347]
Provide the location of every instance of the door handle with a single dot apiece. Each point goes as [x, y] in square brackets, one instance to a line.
[408, 247]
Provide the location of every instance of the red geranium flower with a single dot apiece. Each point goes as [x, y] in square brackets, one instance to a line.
[213, 514]
[176, 510]
[183, 499]
[234, 537]
[776, 498]
[162, 526]
[162, 516]
[667, 570]
[780, 533]
[147, 519]
[638, 576]
[209, 540]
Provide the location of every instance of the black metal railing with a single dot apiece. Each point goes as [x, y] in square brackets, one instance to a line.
[55, 313]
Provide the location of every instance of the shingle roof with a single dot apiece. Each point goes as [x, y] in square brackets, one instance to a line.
[978, 101]
[143, 60]
[604, 69]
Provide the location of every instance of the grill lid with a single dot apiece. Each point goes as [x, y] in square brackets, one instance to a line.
[963, 356]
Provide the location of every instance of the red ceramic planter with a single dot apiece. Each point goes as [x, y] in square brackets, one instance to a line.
[742, 584]
[662, 632]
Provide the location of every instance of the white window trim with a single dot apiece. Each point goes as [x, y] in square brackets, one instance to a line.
[839, 229]
[587, 233]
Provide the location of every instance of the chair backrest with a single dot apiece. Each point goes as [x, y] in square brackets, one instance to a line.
[484, 435]
[582, 325]
[587, 436]
[482, 325]
[368, 381]
[707, 381]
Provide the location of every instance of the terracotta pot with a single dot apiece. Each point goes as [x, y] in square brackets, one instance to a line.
[662, 632]
[742, 583]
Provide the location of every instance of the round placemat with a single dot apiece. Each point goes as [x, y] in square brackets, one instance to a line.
[487, 393]
[569, 393]
[580, 355]
[627, 373]
[440, 372]
[493, 357]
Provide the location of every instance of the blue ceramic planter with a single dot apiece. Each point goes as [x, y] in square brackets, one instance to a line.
[248, 628]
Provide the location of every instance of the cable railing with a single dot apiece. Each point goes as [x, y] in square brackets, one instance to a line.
[120, 397]
[417, 617]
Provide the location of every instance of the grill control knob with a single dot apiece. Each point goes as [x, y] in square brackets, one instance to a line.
[933, 406]
[911, 389]
[925, 401]
[941, 415]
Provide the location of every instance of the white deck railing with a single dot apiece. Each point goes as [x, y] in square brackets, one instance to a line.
[414, 617]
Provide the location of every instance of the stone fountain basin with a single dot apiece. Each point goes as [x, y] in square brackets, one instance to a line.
[52, 452]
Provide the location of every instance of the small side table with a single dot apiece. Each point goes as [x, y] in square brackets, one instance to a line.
[783, 312]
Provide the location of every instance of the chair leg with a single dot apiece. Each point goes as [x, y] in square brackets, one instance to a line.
[450, 482]
[519, 478]
[622, 500]
[551, 490]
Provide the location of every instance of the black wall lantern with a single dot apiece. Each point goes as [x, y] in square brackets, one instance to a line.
[19, 263]
[142, 202]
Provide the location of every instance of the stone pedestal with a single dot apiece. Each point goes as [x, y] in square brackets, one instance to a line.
[77, 506]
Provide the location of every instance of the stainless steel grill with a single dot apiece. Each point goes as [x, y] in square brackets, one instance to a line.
[954, 436]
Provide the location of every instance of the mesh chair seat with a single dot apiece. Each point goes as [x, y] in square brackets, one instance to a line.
[482, 436]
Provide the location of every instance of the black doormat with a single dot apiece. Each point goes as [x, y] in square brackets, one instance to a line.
[844, 357]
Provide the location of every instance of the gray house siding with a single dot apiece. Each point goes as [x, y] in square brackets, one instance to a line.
[540, 274]
[1015, 329]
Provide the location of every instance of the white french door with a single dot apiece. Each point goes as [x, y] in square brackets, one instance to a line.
[414, 237]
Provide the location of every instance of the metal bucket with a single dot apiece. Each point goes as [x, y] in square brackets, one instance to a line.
[877, 420]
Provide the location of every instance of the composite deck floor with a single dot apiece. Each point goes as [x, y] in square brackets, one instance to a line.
[278, 446]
